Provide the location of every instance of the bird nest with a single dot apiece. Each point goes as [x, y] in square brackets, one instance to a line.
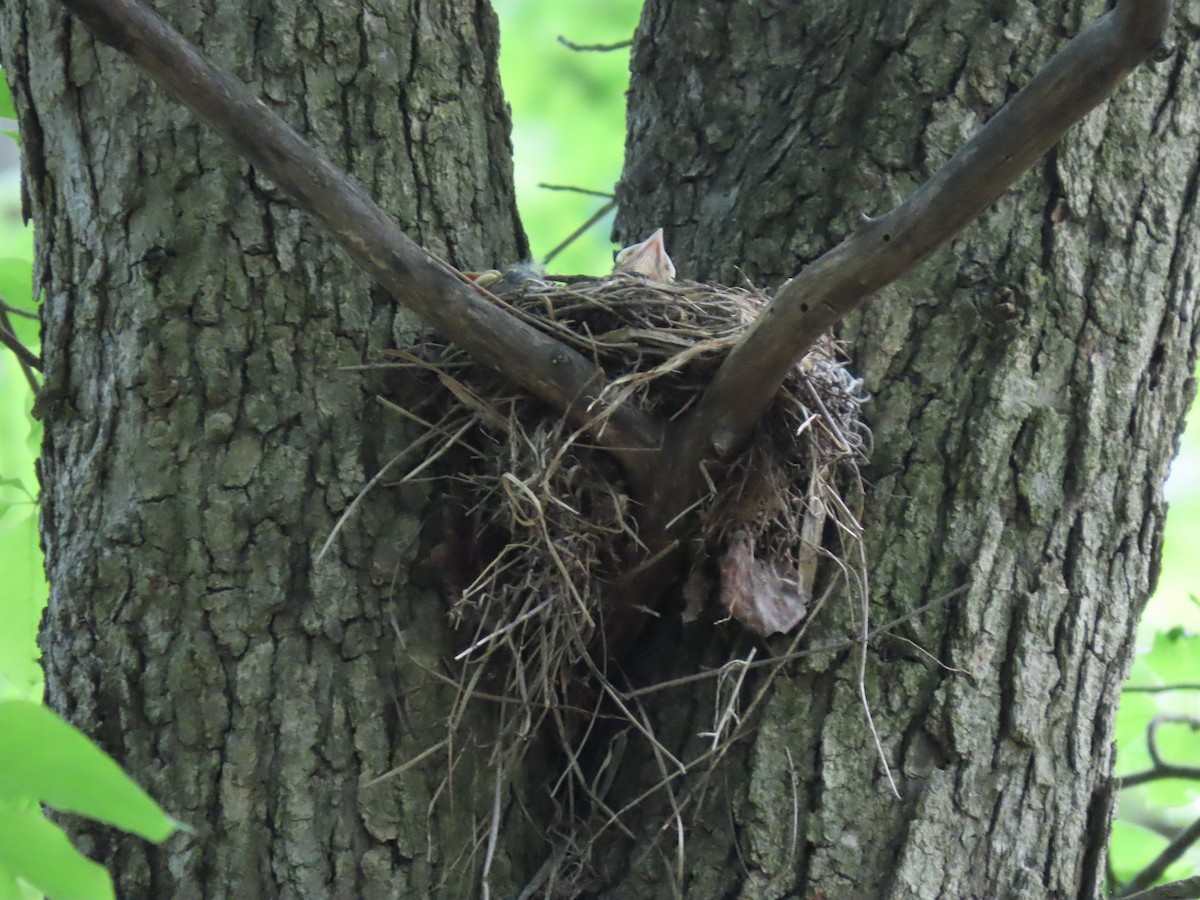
[541, 525]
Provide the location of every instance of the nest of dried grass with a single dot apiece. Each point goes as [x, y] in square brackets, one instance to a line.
[545, 526]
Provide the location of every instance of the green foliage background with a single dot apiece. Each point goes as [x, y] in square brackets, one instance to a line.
[569, 116]
[24, 592]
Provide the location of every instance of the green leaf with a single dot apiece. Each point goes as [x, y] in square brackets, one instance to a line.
[9, 889]
[16, 282]
[45, 759]
[1175, 658]
[16, 238]
[24, 594]
[6, 105]
[16, 289]
[37, 851]
[1133, 848]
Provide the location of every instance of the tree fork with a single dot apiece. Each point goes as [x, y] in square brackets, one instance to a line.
[663, 464]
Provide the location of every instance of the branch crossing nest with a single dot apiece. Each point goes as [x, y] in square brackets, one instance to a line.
[545, 525]
[555, 505]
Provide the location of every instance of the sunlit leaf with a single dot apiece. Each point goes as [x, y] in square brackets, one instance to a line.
[6, 105]
[1133, 848]
[44, 758]
[16, 289]
[16, 282]
[37, 850]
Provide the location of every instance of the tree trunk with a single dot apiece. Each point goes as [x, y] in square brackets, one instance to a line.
[202, 439]
[1029, 386]
[201, 442]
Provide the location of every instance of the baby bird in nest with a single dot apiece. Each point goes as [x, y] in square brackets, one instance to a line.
[511, 279]
[649, 259]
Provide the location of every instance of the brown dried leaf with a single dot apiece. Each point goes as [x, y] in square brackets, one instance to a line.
[755, 593]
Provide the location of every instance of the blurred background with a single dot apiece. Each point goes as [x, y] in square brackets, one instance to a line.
[568, 131]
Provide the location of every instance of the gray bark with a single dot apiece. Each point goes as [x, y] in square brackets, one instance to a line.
[201, 442]
[1028, 389]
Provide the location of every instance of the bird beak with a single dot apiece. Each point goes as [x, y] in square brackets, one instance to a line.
[484, 279]
[649, 258]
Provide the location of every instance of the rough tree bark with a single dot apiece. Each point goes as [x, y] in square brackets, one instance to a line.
[200, 443]
[201, 439]
[1028, 388]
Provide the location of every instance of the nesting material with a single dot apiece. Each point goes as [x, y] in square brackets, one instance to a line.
[544, 525]
[539, 526]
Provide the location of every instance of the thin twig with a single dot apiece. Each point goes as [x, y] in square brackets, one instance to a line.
[1158, 688]
[1186, 889]
[574, 189]
[493, 834]
[382, 473]
[1161, 769]
[1156, 723]
[570, 239]
[26, 314]
[26, 357]
[405, 766]
[1158, 773]
[1173, 851]
[594, 48]
[793, 780]
[864, 596]
[790, 656]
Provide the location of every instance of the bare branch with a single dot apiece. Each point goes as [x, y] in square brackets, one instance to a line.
[26, 357]
[1160, 768]
[1158, 773]
[437, 293]
[1183, 841]
[1074, 81]
[1158, 688]
[573, 189]
[600, 48]
[17, 311]
[1187, 889]
[570, 239]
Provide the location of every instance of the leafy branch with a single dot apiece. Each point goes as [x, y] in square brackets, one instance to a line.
[1138, 886]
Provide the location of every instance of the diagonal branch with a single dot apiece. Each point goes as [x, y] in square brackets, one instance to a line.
[1187, 889]
[1073, 82]
[1160, 768]
[1159, 865]
[1078, 78]
[26, 357]
[548, 369]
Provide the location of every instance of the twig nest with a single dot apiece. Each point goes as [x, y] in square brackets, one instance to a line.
[541, 525]
[545, 516]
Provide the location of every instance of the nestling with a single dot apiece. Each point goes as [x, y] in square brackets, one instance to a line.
[509, 280]
[649, 258]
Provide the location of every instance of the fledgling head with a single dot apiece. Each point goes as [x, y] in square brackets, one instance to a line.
[511, 279]
[649, 258]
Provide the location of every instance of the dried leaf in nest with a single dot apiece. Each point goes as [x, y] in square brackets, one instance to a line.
[756, 592]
